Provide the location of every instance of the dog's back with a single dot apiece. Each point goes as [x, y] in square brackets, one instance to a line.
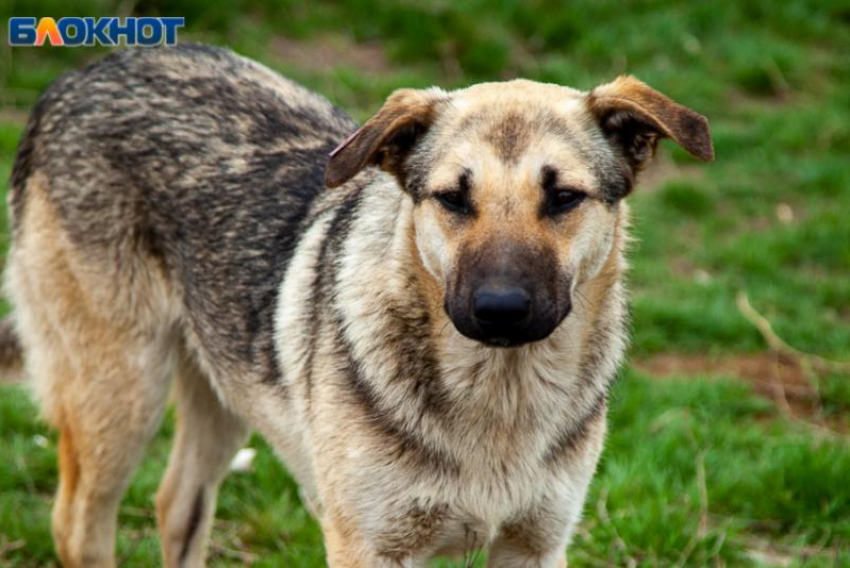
[192, 158]
[156, 199]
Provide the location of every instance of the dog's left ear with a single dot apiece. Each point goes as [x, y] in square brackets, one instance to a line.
[385, 139]
[634, 116]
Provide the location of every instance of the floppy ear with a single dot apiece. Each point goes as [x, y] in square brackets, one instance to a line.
[634, 116]
[385, 139]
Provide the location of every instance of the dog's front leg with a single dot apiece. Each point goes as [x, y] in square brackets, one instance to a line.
[346, 548]
[510, 557]
[529, 544]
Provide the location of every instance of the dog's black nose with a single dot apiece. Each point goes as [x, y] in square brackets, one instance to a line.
[500, 307]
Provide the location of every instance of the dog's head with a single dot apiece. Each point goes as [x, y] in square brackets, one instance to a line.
[516, 188]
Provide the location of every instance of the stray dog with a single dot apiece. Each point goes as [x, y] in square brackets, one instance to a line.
[424, 321]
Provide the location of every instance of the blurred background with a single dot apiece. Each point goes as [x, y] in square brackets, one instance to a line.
[729, 428]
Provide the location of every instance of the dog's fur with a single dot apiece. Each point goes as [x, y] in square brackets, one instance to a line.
[170, 214]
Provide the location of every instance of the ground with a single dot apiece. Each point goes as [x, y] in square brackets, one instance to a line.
[723, 450]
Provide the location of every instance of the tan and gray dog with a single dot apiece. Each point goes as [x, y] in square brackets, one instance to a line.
[428, 344]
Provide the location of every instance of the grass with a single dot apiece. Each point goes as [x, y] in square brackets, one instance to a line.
[698, 470]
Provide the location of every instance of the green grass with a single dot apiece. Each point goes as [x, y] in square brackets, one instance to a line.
[698, 470]
[765, 483]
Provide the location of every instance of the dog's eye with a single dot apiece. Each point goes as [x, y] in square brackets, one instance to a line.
[563, 200]
[455, 201]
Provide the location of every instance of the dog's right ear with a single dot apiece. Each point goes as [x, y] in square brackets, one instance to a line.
[387, 138]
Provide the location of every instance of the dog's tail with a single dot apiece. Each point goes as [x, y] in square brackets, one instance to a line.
[11, 352]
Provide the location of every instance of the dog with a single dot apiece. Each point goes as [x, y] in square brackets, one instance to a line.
[423, 320]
